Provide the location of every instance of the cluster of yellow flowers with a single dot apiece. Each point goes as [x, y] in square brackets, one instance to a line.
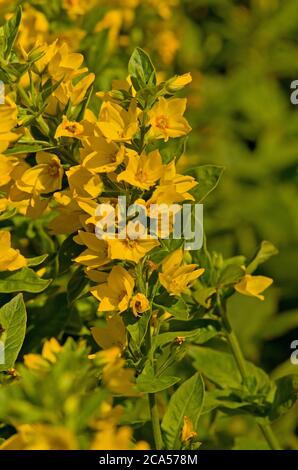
[97, 156]
[23, 183]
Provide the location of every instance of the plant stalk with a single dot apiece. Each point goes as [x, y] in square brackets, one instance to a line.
[152, 399]
[155, 421]
[270, 436]
[240, 361]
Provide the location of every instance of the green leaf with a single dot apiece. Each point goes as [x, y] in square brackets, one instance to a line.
[141, 68]
[225, 400]
[46, 320]
[77, 285]
[203, 324]
[266, 250]
[170, 150]
[48, 89]
[208, 177]
[230, 275]
[8, 214]
[25, 280]
[186, 401]
[195, 335]
[19, 149]
[203, 296]
[37, 260]
[154, 384]
[220, 367]
[9, 31]
[138, 329]
[13, 320]
[286, 395]
[178, 308]
[148, 382]
[67, 252]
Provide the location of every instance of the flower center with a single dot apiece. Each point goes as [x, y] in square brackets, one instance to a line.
[174, 284]
[162, 122]
[72, 128]
[142, 176]
[53, 169]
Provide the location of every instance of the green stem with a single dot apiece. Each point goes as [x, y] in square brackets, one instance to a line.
[24, 95]
[152, 399]
[43, 125]
[270, 436]
[240, 361]
[155, 421]
[235, 347]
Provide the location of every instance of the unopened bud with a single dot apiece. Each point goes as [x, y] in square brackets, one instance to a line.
[179, 82]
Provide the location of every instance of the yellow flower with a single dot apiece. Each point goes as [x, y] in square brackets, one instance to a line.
[69, 129]
[131, 250]
[77, 7]
[113, 438]
[166, 119]
[70, 218]
[67, 92]
[10, 168]
[167, 44]
[253, 285]
[64, 64]
[142, 170]
[113, 20]
[116, 377]
[117, 86]
[84, 183]
[77, 91]
[173, 187]
[164, 8]
[48, 356]
[101, 156]
[187, 430]
[8, 120]
[179, 82]
[47, 52]
[96, 254]
[115, 294]
[139, 304]
[33, 28]
[41, 437]
[45, 177]
[90, 207]
[114, 334]
[116, 123]
[4, 204]
[176, 277]
[10, 259]
[28, 204]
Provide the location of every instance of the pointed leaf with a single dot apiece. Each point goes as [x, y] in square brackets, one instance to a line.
[186, 401]
[13, 321]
